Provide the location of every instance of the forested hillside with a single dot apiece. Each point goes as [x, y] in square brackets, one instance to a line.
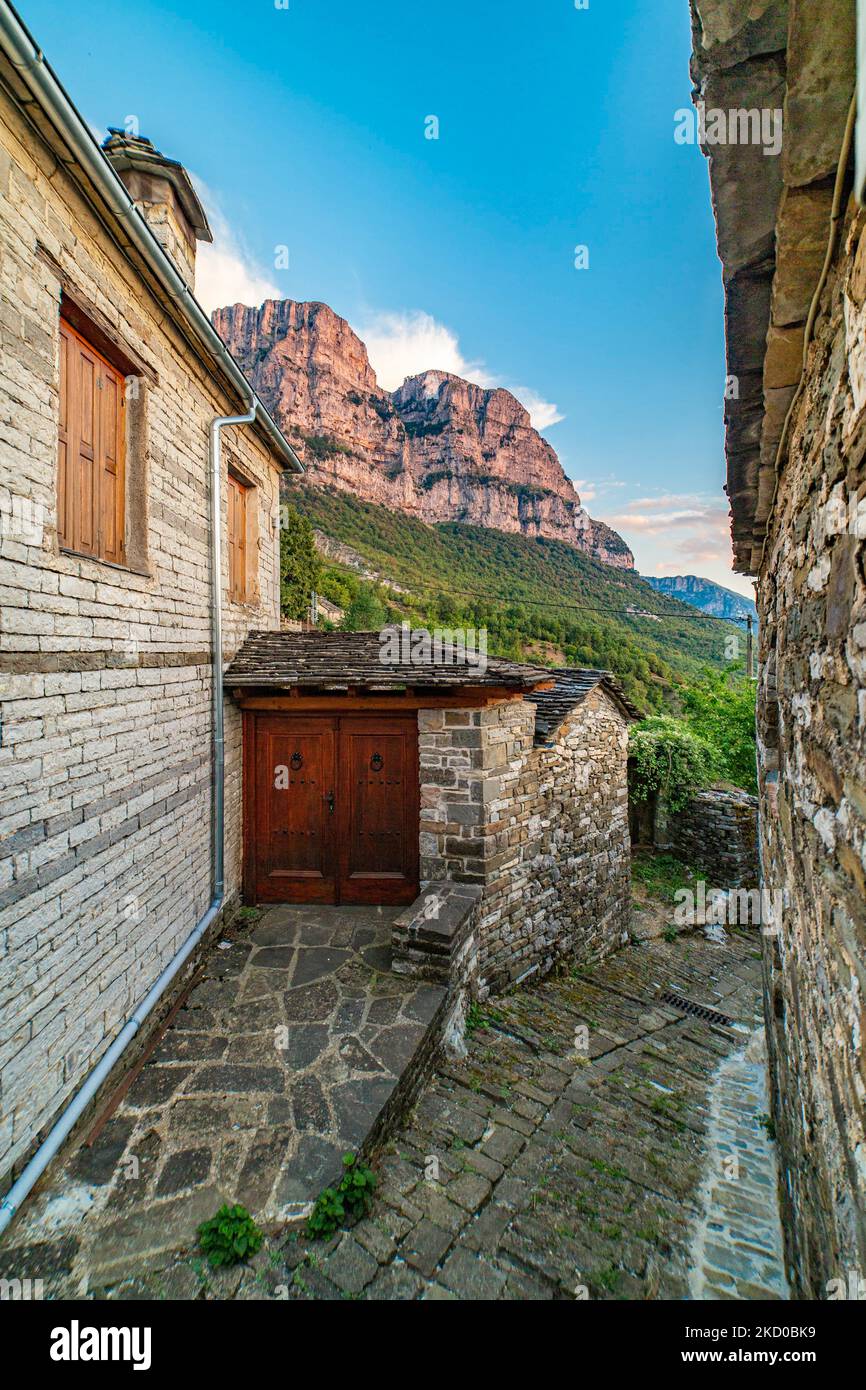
[539, 599]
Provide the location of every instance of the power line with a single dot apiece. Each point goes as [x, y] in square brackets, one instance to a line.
[686, 613]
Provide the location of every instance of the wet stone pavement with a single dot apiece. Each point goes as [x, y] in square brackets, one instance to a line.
[281, 1059]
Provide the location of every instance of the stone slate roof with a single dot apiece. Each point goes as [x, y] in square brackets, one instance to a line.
[335, 661]
[573, 684]
[772, 216]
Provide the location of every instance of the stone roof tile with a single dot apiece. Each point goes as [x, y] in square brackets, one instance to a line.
[573, 684]
[336, 661]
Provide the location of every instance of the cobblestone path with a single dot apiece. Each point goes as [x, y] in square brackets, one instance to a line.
[535, 1169]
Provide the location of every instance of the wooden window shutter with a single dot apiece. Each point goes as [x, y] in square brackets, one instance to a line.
[110, 438]
[252, 539]
[91, 437]
[65, 435]
[230, 510]
[237, 539]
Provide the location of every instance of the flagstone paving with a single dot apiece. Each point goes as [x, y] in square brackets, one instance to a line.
[558, 1163]
[582, 1150]
[284, 1056]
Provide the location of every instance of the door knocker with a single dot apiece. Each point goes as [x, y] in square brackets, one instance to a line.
[377, 762]
[296, 761]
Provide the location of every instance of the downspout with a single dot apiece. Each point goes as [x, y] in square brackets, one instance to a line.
[28, 59]
[215, 451]
[79, 1103]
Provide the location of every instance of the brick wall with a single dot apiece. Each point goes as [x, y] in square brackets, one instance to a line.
[543, 830]
[812, 773]
[105, 756]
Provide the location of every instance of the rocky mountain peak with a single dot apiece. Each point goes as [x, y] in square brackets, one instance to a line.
[439, 447]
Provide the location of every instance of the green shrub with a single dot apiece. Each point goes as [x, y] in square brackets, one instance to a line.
[721, 709]
[366, 612]
[668, 758]
[351, 1198]
[229, 1237]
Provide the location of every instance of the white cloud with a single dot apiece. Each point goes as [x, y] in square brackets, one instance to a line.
[589, 489]
[406, 344]
[705, 518]
[680, 533]
[225, 271]
[401, 345]
[542, 413]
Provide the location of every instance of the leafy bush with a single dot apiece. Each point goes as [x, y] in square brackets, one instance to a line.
[667, 757]
[366, 612]
[229, 1237]
[351, 1198]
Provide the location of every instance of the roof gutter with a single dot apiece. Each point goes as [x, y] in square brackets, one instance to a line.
[29, 61]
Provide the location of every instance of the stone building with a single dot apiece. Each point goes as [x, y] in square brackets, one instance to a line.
[111, 377]
[368, 781]
[791, 241]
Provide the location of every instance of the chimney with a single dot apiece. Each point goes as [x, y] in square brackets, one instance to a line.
[163, 192]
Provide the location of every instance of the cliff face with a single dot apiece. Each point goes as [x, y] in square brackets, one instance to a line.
[439, 447]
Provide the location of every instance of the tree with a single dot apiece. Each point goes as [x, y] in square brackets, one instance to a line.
[366, 612]
[667, 757]
[299, 564]
[721, 709]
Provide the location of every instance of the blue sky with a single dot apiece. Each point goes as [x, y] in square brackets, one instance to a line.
[307, 127]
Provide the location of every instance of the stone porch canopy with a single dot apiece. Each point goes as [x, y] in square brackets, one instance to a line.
[571, 687]
[343, 662]
[773, 217]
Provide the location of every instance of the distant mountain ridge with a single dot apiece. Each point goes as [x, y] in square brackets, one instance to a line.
[706, 595]
[439, 448]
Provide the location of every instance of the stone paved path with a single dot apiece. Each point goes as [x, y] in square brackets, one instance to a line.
[558, 1163]
[280, 1061]
[738, 1248]
[561, 1174]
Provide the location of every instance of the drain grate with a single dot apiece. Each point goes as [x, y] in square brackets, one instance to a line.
[687, 1006]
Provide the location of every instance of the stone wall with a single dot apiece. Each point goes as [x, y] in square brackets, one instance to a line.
[105, 671]
[716, 833]
[544, 830]
[812, 765]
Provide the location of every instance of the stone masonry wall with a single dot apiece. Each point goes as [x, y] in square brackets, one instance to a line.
[812, 765]
[543, 830]
[718, 833]
[104, 671]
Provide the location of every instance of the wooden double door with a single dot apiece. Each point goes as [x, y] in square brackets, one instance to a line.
[332, 809]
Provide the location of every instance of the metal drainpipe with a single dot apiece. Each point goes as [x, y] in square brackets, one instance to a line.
[216, 427]
[29, 61]
[76, 1107]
